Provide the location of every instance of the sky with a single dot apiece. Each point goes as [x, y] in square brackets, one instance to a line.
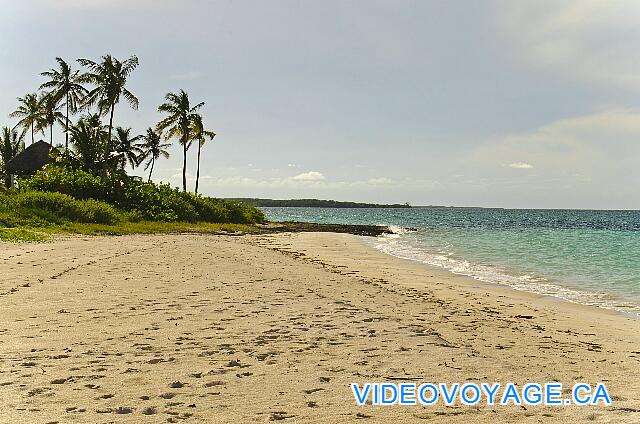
[527, 104]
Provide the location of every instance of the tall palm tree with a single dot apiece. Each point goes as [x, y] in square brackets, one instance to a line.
[65, 83]
[10, 145]
[178, 124]
[200, 135]
[50, 114]
[152, 149]
[127, 147]
[30, 113]
[109, 77]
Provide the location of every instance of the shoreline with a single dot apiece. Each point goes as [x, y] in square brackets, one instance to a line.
[493, 284]
[556, 315]
[534, 296]
[275, 327]
[467, 281]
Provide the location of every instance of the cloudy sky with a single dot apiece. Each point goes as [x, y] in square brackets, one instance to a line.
[494, 103]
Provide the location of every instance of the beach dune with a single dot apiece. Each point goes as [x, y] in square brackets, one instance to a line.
[258, 328]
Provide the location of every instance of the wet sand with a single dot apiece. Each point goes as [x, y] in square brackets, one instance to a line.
[201, 328]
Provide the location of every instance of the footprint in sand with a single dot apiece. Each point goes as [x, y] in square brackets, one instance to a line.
[167, 395]
[177, 385]
[105, 396]
[279, 415]
[123, 410]
[214, 383]
[149, 410]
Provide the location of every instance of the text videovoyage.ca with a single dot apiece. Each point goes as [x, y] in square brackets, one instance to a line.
[548, 394]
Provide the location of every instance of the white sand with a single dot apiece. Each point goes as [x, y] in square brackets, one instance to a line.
[197, 328]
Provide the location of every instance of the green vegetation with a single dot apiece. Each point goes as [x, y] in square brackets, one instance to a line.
[200, 135]
[313, 203]
[10, 145]
[179, 123]
[97, 147]
[141, 200]
[29, 234]
[108, 77]
[152, 149]
[86, 189]
[20, 234]
[30, 215]
[64, 83]
[35, 209]
[30, 113]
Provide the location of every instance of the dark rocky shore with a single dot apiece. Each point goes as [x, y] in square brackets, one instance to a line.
[297, 227]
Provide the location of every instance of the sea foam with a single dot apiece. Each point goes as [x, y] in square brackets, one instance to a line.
[402, 244]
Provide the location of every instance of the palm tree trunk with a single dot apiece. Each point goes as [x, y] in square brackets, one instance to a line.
[51, 135]
[113, 106]
[153, 160]
[32, 133]
[108, 152]
[198, 169]
[66, 128]
[184, 166]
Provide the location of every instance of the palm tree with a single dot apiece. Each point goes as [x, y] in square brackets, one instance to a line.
[200, 135]
[109, 77]
[89, 141]
[127, 147]
[30, 112]
[10, 145]
[152, 149]
[65, 83]
[50, 114]
[178, 124]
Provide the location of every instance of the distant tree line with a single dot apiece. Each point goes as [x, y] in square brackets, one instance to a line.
[314, 203]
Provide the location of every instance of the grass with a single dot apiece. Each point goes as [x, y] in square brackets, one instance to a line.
[20, 235]
[35, 216]
[148, 227]
[27, 234]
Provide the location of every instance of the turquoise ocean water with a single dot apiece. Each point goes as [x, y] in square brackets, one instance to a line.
[588, 257]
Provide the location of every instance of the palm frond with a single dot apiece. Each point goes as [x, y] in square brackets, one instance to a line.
[133, 100]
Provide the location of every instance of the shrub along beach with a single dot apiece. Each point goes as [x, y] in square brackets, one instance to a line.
[84, 186]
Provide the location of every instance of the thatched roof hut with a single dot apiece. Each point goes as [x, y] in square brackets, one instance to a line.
[30, 160]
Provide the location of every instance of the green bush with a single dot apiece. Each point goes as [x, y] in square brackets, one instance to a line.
[144, 201]
[74, 182]
[48, 207]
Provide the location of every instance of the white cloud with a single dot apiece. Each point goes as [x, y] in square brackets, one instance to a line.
[520, 165]
[380, 181]
[309, 176]
[323, 184]
[595, 153]
[592, 40]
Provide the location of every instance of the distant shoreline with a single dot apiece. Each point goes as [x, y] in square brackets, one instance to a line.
[320, 203]
[312, 203]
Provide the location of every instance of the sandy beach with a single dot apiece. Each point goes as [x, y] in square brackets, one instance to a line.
[203, 328]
